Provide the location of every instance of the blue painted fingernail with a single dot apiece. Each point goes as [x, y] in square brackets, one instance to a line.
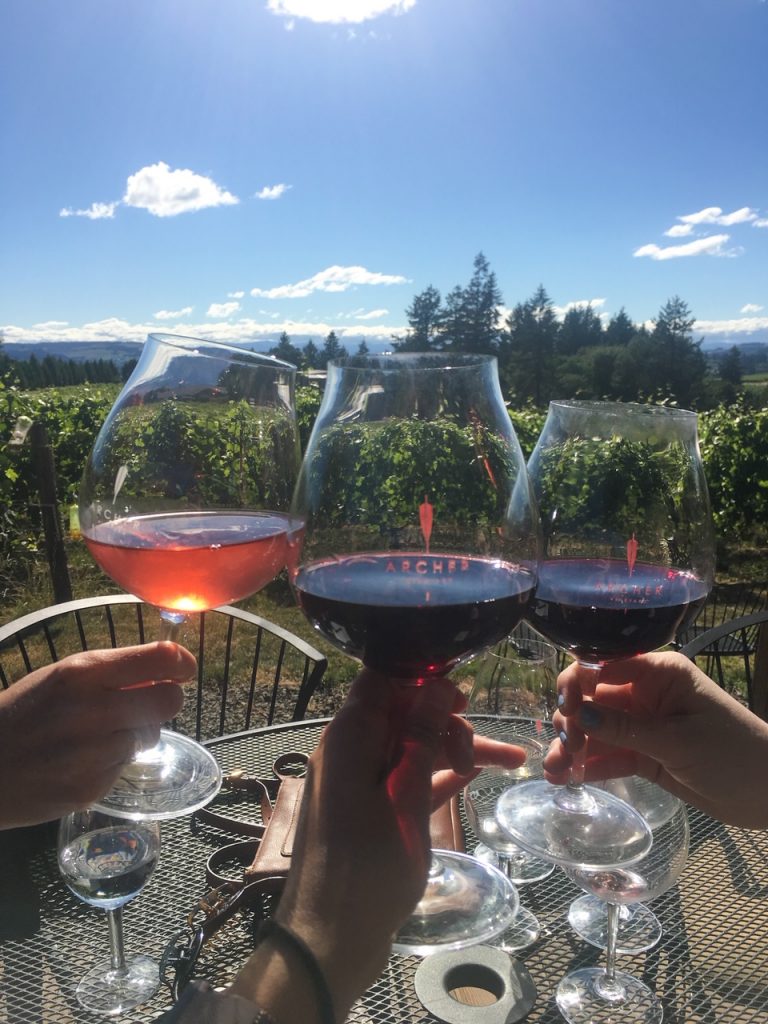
[560, 699]
[589, 716]
[563, 737]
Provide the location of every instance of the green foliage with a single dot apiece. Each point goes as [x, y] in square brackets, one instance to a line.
[734, 447]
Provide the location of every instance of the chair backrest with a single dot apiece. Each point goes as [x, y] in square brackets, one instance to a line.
[251, 672]
[735, 655]
[726, 601]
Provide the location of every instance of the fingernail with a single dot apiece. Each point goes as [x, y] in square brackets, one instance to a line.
[560, 699]
[589, 716]
[563, 737]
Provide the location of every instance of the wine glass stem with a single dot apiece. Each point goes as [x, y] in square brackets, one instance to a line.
[170, 623]
[116, 943]
[578, 764]
[613, 933]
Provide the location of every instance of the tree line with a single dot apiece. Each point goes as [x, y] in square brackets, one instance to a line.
[542, 356]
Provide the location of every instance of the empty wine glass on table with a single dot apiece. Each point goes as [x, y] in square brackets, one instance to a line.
[106, 862]
[418, 550]
[604, 995]
[628, 560]
[638, 927]
[184, 502]
[515, 688]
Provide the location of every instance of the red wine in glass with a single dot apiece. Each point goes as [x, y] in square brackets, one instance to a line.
[412, 614]
[599, 610]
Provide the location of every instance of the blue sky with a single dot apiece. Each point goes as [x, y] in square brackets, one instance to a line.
[233, 168]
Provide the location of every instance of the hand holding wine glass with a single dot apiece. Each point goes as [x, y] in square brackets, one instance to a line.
[418, 549]
[106, 862]
[184, 502]
[628, 558]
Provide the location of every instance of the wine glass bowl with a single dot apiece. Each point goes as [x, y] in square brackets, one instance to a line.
[602, 993]
[185, 502]
[416, 547]
[628, 558]
[106, 862]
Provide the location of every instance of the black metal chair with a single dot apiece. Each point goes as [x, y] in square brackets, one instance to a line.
[251, 672]
[726, 601]
[747, 637]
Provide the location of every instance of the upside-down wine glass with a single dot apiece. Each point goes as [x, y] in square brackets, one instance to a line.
[628, 560]
[638, 927]
[418, 550]
[106, 861]
[185, 502]
[515, 685]
[603, 995]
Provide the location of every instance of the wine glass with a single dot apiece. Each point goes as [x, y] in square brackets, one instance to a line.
[185, 502]
[106, 861]
[592, 994]
[418, 550]
[638, 927]
[628, 560]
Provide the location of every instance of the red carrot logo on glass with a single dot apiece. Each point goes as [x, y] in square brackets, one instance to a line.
[425, 518]
[632, 547]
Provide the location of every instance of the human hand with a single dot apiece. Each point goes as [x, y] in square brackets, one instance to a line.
[362, 848]
[67, 729]
[659, 716]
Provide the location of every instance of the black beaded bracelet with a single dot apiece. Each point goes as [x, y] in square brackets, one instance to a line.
[272, 929]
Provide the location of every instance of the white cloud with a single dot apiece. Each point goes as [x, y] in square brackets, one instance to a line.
[235, 295]
[272, 191]
[224, 309]
[751, 307]
[579, 304]
[712, 245]
[375, 314]
[332, 279]
[338, 11]
[48, 324]
[714, 215]
[761, 222]
[96, 211]
[243, 329]
[679, 230]
[745, 325]
[165, 192]
[172, 314]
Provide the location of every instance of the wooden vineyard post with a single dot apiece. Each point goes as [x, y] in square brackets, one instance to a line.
[45, 472]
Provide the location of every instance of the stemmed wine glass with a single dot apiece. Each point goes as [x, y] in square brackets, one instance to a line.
[185, 502]
[592, 994]
[516, 680]
[418, 549]
[638, 927]
[628, 560]
[106, 861]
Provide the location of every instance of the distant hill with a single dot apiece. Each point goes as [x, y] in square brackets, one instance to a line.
[79, 351]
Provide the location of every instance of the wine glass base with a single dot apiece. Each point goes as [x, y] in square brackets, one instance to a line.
[639, 929]
[173, 778]
[465, 902]
[586, 828]
[523, 932]
[108, 990]
[586, 997]
[521, 868]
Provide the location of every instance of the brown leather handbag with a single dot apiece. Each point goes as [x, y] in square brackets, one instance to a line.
[265, 857]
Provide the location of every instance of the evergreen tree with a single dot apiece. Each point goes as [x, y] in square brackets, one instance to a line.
[424, 318]
[620, 329]
[332, 349]
[362, 348]
[528, 346]
[311, 356]
[287, 351]
[470, 321]
[581, 328]
[730, 367]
